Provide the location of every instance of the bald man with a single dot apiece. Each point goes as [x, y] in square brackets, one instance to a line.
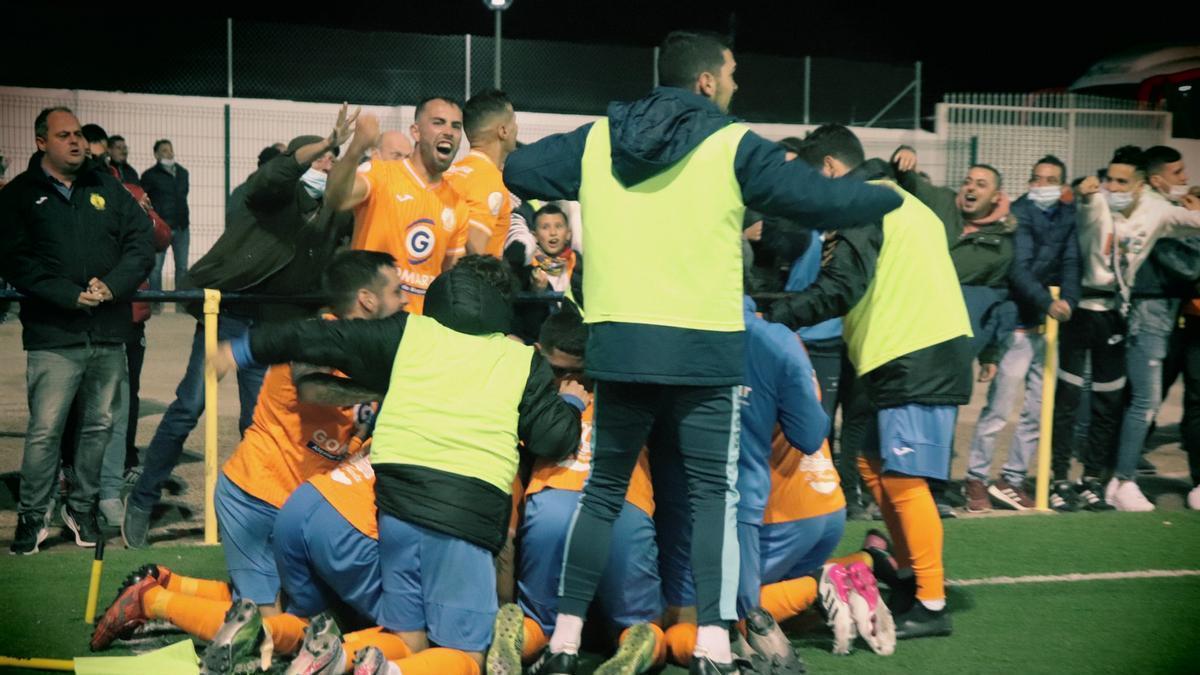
[392, 145]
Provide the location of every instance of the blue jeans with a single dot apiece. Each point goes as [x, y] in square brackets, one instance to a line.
[1151, 322]
[183, 413]
[1020, 368]
[180, 239]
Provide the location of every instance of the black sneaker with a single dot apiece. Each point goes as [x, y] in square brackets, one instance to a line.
[549, 663]
[1090, 495]
[83, 525]
[945, 511]
[31, 532]
[1063, 497]
[920, 621]
[767, 638]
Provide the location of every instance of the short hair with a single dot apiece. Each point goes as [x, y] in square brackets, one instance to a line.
[791, 144]
[684, 55]
[114, 138]
[564, 331]
[41, 125]
[1053, 161]
[350, 271]
[482, 108]
[832, 140]
[493, 271]
[94, 133]
[1158, 157]
[1131, 155]
[160, 142]
[994, 170]
[268, 153]
[550, 209]
[426, 101]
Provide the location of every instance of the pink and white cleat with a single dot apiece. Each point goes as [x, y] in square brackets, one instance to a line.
[871, 616]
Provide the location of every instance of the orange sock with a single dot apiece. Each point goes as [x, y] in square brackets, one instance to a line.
[439, 661]
[535, 640]
[857, 556]
[681, 643]
[922, 527]
[287, 632]
[199, 588]
[199, 617]
[390, 644]
[871, 474]
[660, 644]
[786, 599]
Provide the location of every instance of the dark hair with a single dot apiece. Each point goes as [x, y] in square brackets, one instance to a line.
[482, 108]
[550, 209]
[684, 55]
[114, 138]
[160, 142]
[1052, 161]
[1131, 155]
[268, 153]
[493, 271]
[831, 140]
[1158, 157]
[791, 144]
[94, 133]
[426, 101]
[564, 331]
[41, 125]
[994, 170]
[350, 271]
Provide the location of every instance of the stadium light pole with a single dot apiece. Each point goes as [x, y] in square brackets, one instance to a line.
[498, 7]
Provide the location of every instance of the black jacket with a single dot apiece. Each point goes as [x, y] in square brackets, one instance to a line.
[936, 375]
[129, 174]
[1046, 253]
[50, 247]
[169, 194]
[365, 351]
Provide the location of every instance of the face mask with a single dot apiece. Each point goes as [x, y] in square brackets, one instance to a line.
[1118, 201]
[1045, 197]
[314, 182]
[1178, 191]
[167, 162]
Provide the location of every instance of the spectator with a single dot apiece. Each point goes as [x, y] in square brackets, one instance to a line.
[237, 197]
[774, 242]
[555, 267]
[392, 145]
[118, 156]
[1046, 254]
[77, 245]
[167, 184]
[97, 140]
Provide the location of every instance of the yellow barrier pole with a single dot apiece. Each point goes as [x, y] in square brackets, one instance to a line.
[89, 612]
[38, 664]
[212, 307]
[1046, 430]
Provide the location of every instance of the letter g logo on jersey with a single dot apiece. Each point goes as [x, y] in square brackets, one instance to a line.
[419, 241]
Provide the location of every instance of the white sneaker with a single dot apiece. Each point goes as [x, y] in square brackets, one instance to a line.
[1110, 490]
[1128, 497]
[834, 589]
[1193, 499]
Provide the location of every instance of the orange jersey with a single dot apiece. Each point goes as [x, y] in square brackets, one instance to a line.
[572, 472]
[802, 486]
[350, 488]
[481, 184]
[418, 224]
[288, 442]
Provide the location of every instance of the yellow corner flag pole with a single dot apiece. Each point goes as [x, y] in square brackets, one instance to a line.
[1046, 435]
[38, 664]
[89, 613]
[212, 307]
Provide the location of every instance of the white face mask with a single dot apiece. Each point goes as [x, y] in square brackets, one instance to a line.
[314, 182]
[1178, 191]
[167, 162]
[1118, 201]
[1045, 197]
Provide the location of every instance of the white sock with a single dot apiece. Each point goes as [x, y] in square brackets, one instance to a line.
[713, 642]
[566, 635]
[934, 605]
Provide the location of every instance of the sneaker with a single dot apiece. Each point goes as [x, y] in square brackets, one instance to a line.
[1193, 499]
[1009, 496]
[159, 572]
[977, 496]
[112, 511]
[82, 525]
[31, 532]
[241, 645]
[508, 638]
[321, 654]
[634, 656]
[1063, 497]
[873, 512]
[135, 526]
[1129, 497]
[920, 621]
[371, 661]
[132, 474]
[126, 612]
[871, 617]
[945, 511]
[704, 665]
[834, 589]
[549, 663]
[1146, 468]
[767, 639]
[1088, 493]
[855, 511]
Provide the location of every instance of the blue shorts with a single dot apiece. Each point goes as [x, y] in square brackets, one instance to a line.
[323, 559]
[914, 440]
[436, 583]
[781, 551]
[629, 592]
[245, 525]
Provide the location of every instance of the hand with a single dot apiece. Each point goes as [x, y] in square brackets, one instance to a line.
[1089, 186]
[344, 125]
[88, 299]
[573, 388]
[905, 160]
[540, 281]
[100, 289]
[1190, 202]
[987, 372]
[224, 362]
[1060, 310]
[366, 131]
[754, 232]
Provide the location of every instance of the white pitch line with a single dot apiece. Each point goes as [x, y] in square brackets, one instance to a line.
[1060, 578]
